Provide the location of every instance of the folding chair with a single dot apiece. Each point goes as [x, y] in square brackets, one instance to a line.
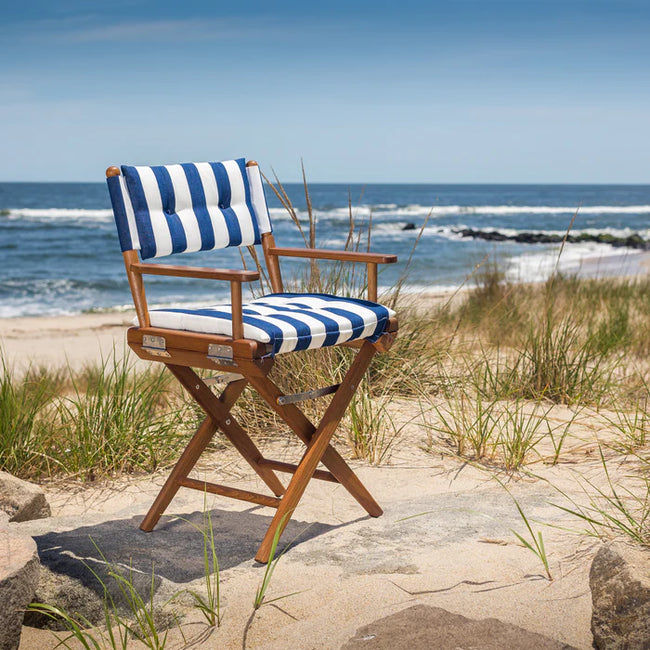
[193, 207]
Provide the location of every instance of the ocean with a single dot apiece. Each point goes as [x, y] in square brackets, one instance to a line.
[60, 253]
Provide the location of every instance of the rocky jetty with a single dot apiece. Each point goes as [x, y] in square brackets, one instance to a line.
[632, 241]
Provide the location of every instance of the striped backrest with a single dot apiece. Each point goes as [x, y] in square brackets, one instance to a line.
[189, 207]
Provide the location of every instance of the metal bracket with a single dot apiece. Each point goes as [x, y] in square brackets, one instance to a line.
[155, 345]
[221, 354]
[310, 394]
[226, 378]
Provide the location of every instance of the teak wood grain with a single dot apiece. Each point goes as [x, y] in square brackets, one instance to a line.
[253, 360]
[316, 449]
[326, 254]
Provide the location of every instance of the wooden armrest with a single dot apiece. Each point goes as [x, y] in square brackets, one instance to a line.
[342, 256]
[233, 275]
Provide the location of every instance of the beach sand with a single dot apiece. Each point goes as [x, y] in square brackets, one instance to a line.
[55, 341]
[445, 540]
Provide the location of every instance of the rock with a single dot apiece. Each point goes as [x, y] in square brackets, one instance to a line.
[21, 500]
[631, 241]
[422, 626]
[620, 591]
[68, 594]
[19, 569]
[408, 226]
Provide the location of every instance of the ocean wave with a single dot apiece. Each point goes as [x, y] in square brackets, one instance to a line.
[55, 213]
[538, 266]
[361, 211]
[542, 209]
[380, 210]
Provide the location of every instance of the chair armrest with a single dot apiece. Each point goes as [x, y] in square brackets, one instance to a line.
[342, 256]
[232, 275]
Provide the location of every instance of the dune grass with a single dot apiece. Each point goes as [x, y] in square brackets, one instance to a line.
[104, 420]
[498, 353]
[619, 506]
[572, 342]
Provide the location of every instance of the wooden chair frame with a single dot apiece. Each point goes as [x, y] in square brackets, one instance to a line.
[181, 351]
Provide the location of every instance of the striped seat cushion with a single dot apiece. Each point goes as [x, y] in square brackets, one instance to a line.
[287, 321]
[188, 207]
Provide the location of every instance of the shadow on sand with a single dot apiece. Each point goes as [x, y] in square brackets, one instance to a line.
[174, 550]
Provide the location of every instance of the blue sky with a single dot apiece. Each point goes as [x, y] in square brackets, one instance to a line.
[456, 91]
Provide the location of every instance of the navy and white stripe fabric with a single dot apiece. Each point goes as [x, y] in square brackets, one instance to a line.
[286, 321]
[189, 207]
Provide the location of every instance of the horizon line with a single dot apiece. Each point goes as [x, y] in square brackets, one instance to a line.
[300, 182]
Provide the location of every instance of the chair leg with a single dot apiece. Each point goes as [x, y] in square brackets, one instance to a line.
[317, 440]
[189, 457]
[219, 411]
[316, 448]
[305, 430]
[182, 468]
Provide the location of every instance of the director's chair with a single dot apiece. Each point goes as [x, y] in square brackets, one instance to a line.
[191, 207]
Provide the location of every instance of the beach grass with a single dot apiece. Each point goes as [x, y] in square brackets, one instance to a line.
[105, 420]
[619, 506]
[572, 343]
[499, 354]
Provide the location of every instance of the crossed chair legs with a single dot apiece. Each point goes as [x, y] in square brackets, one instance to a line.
[317, 440]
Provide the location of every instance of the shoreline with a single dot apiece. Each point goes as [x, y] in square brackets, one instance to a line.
[84, 338]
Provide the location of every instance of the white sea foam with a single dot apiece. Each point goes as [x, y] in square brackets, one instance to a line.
[586, 258]
[58, 213]
[395, 230]
[421, 287]
[363, 211]
[544, 209]
[385, 209]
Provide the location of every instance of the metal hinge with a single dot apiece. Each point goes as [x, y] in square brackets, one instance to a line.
[221, 354]
[155, 345]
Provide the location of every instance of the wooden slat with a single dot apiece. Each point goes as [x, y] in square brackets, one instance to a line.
[137, 287]
[227, 423]
[372, 282]
[326, 254]
[233, 493]
[189, 457]
[182, 358]
[236, 310]
[272, 263]
[317, 450]
[201, 272]
[197, 342]
[290, 468]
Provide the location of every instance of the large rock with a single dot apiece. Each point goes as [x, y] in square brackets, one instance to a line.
[620, 590]
[21, 500]
[422, 626]
[19, 568]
